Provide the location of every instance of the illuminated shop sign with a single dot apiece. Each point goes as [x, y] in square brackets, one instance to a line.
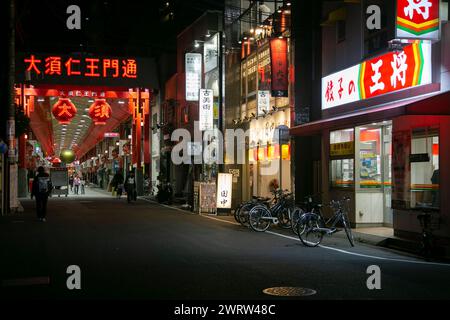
[206, 112]
[278, 58]
[211, 53]
[89, 67]
[388, 73]
[418, 19]
[224, 190]
[193, 68]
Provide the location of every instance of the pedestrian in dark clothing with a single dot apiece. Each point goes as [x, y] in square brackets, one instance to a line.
[117, 183]
[42, 187]
[71, 182]
[130, 187]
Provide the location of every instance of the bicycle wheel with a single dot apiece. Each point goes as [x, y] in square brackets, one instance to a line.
[348, 230]
[284, 218]
[311, 236]
[236, 212]
[294, 220]
[259, 218]
[243, 214]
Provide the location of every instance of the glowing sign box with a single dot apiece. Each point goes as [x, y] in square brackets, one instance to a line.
[388, 73]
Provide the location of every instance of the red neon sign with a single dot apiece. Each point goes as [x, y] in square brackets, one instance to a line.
[87, 67]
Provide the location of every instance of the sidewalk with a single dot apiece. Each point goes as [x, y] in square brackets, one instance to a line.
[377, 237]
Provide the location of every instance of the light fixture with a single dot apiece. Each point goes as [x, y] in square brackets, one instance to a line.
[252, 30]
[288, 3]
[130, 136]
[121, 102]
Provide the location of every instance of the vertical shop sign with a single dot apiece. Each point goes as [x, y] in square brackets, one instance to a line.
[211, 53]
[279, 64]
[263, 102]
[206, 112]
[224, 190]
[418, 19]
[193, 69]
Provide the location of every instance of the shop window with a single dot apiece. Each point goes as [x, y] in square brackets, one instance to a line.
[424, 161]
[370, 174]
[342, 173]
[342, 151]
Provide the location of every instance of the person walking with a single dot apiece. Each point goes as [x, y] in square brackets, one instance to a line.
[42, 187]
[82, 184]
[130, 187]
[71, 182]
[117, 183]
[76, 184]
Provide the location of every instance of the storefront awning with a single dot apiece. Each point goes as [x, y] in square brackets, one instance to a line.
[437, 104]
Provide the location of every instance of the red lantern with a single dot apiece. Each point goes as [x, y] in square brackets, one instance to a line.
[64, 110]
[100, 111]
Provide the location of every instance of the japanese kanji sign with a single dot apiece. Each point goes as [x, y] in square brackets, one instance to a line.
[390, 72]
[193, 70]
[280, 76]
[418, 19]
[77, 67]
[224, 190]
[85, 70]
[206, 112]
[263, 102]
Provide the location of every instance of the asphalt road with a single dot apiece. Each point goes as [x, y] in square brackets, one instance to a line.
[146, 251]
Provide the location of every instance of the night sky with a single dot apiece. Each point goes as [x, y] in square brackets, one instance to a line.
[116, 27]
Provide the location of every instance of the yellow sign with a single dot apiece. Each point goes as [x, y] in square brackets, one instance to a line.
[342, 149]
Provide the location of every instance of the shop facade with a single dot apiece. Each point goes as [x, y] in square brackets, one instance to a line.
[260, 69]
[385, 119]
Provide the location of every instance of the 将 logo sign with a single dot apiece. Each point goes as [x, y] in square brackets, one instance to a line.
[418, 19]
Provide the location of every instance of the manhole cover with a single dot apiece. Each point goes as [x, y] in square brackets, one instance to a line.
[289, 292]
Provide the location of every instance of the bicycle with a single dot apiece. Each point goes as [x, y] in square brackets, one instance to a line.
[308, 205]
[315, 226]
[262, 216]
[241, 213]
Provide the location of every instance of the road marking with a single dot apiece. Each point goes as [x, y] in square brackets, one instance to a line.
[26, 282]
[166, 206]
[364, 255]
[320, 246]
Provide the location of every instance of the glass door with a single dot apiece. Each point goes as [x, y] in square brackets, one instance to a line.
[387, 175]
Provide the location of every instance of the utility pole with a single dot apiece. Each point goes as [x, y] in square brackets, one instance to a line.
[11, 163]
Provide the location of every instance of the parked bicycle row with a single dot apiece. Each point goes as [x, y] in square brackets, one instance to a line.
[305, 219]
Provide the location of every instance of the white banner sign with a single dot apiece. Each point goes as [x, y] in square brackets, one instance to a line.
[206, 111]
[210, 53]
[263, 102]
[224, 190]
[193, 68]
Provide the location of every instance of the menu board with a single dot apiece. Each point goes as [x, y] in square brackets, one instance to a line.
[207, 198]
